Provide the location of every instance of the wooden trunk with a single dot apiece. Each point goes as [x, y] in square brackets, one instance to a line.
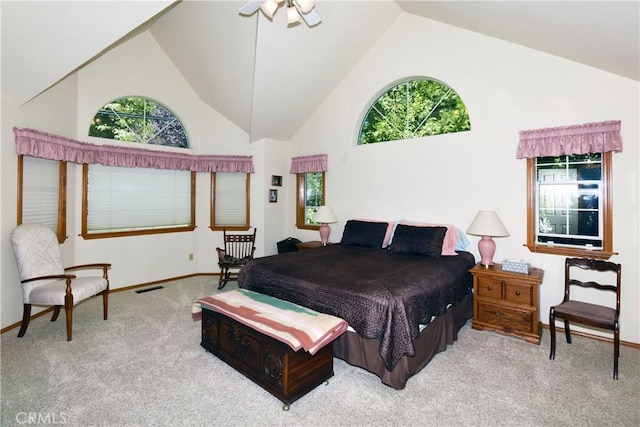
[273, 365]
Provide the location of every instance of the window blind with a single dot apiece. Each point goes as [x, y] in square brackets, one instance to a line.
[230, 199]
[126, 199]
[40, 182]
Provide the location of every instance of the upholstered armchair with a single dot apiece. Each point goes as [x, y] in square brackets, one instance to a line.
[44, 279]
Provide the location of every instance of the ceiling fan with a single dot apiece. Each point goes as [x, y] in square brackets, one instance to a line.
[296, 9]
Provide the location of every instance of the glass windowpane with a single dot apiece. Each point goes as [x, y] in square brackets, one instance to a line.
[569, 189]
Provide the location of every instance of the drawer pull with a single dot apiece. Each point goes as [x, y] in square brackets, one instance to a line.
[517, 293]
[502, 316]
[489, 288]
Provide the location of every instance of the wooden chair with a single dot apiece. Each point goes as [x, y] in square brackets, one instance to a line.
[599, 316]
[44, 279]
[238, 250]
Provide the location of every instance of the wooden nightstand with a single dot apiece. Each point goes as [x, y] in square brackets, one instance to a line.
[310, 245]
[507, 302]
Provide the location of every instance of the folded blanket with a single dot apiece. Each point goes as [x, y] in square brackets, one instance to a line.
[292, 324]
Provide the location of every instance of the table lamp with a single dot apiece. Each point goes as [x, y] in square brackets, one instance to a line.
[324, 215]
[488, 225]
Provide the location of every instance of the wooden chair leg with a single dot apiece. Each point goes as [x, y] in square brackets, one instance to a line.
[224, 277]
[567, 331]
[552, 333]
[616, 352]
[56, 312]
[68, 309]
[26, 316]
[105, 303]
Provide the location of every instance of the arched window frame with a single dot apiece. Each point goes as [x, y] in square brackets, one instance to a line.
[463, 123]
[152, 123]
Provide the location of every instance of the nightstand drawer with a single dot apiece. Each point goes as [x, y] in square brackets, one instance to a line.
[518, 293]
[506, 318]
[489, 287]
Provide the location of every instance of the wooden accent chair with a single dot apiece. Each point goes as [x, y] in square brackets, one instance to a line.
[238, 250]
[599, 316]
[45, 281]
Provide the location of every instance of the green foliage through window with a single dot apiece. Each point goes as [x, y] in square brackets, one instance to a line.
[413, 109]
[313, 183]
[139, 120]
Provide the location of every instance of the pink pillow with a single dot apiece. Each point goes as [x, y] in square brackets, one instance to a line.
[450, 237]
[388, 234]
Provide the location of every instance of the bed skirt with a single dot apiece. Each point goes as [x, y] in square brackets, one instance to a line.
[433, 339]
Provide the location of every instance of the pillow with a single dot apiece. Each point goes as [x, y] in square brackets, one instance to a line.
[364, 233]
[387, 235]
[463, 242]
[450, 237]
[427, 241]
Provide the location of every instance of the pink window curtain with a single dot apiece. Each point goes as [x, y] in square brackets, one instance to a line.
[35, 143]
[598, 137]
[304, 164]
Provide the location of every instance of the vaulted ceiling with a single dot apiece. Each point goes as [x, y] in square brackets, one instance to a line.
[267, 78]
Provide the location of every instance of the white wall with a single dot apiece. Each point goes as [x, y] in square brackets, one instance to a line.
[278, 215]
[448, 178]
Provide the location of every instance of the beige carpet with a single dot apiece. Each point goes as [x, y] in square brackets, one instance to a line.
[145, 367]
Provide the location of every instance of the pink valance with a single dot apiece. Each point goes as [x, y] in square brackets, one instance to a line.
[598, 137]
[35, 143]
[304, 164]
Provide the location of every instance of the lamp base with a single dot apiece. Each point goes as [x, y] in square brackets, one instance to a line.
[324, 233]
[487, 248]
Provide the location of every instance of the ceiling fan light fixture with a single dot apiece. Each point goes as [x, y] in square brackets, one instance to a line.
[269, 8]
[293, 17]
[297, 10]
[306, 5]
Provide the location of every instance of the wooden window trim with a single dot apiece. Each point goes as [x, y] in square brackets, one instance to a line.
[212, 209]
[607, 211]
[300, 201]
[61, 229]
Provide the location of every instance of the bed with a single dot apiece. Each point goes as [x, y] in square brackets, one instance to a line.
[404, 301]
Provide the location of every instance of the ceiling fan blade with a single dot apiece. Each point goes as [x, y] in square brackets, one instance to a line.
[311, 18]
[251, 7]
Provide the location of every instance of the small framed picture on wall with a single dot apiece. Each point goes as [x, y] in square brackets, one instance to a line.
[276, 180]
[273, 196]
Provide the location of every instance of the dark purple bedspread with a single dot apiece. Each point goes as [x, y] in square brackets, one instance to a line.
[382, 295]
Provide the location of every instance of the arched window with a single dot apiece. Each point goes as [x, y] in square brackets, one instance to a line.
[137, 119]
[414, 108]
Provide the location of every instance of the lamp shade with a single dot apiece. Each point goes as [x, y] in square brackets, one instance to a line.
[325, 215]
[487, 223]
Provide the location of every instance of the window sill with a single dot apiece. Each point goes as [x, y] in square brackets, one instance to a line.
[573, 252]
[308, 227]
